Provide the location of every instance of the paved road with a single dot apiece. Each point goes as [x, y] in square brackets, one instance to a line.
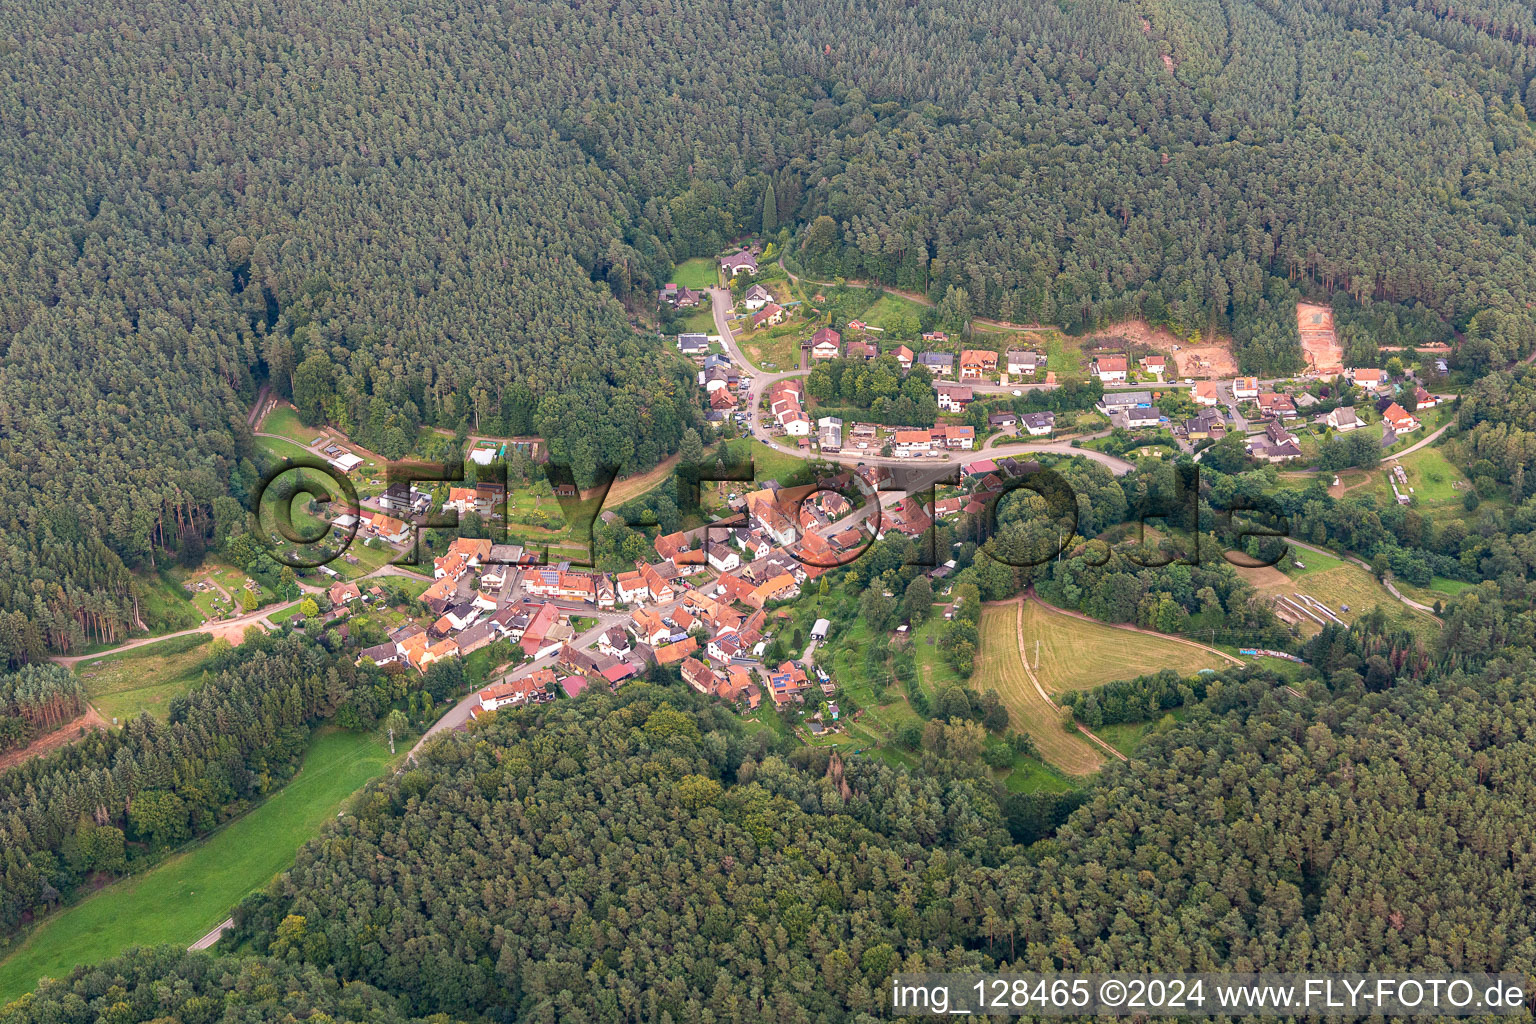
[1431, 439]
[459, 713]
[720, 300]
[214, 935]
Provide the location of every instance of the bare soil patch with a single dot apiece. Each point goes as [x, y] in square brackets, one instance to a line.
[1319, 344]
[87, 722]
[1213, 359]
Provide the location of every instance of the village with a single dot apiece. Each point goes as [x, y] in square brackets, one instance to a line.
[711, 599]
[1142, 394]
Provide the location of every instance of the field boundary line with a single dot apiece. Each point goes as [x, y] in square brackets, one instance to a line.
[1133, 629]
[1018, 627]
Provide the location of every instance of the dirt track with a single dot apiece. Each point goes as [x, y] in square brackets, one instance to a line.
[59, 737]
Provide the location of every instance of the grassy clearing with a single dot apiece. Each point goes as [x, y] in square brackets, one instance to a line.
[1336, 584]
[775, 349]
[999, 667]
[890, 311]
[1127, 737]
[700, 321]
[282, 448]
[697, 273]
[1438, 485]
[1078, 655]
[284, 420]
[164, 606]
[772, 464]
[144, 678]
[180, 899]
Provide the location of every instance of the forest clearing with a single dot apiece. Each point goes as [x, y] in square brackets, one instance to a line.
[181, 898]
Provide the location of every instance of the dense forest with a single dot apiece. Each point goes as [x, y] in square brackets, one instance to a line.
[454, 216]
[399, 217]
[499, 876]
[98, 806]
[36, 700]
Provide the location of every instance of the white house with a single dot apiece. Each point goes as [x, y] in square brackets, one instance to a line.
[1343, 418]
[723, 559]
[1109, 369]
[756, 298]
[1245, 387]
[742, 262]
[1038, 424]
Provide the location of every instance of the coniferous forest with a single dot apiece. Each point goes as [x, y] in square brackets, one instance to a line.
[400, 216]
[449, 215]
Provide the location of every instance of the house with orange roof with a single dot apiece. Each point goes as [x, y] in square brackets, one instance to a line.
[1401, 419]
[536, 637]
[959, 437]
[631, 586]
[976, 364]
[909, 443]
[656, 585]
[460, 500]
[648, 627]
[388, 527]
[673, 654]
[780, 588]
[1207, 393]
[1109, 369]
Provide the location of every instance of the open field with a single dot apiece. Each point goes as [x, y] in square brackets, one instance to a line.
[775, 348]
[284, 420]
[888, 311]
[182, 898]
[999, 667]
[699, 272]
[1439, 589]
[164, 606]
[1438, 485]
[1077, 654]
[144, 678]
[1336, 583]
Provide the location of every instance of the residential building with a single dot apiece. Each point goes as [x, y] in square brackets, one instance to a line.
[940, 364]
[769, 316]
[1207, 392]
[723, 559]
[756, 298]
[677, 295]
[1021, 361]
[953, 397]
[693, 344]
[963, 438]
[1039, 424]
[977, 364]
[904, 357]
[1401, 420]
[826, 344]
[1272, 404]
[1369, 378]
[742, 262]
[1343, 418]
[1245, 387]
[1109, 369]
[1120, 401]
[1003, 421]
[1154, 364]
